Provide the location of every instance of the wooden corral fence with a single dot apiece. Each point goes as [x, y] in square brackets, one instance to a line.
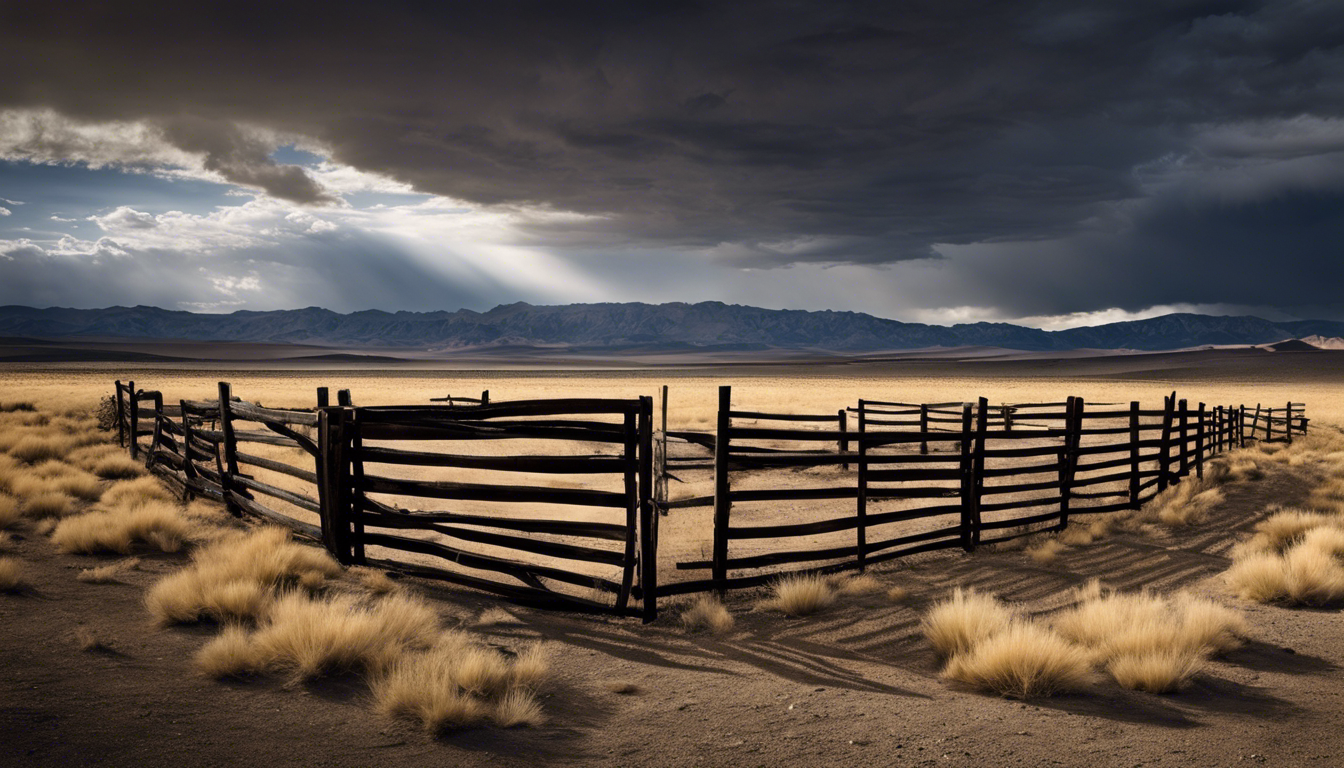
[945, 475]
[888, 479]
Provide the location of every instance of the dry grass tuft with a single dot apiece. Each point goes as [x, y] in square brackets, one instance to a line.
[1077, 535]
[233, 579]
[801, 595]
[17, 406]
[156, 523]
[531, 668]
[623, 687]
[10, 513]
[1159, 671]
[706, 613]
[138, 491]
[957, 624]
[1022, 660]
[898, 594]
[229, 654]
[108, 574]
[1259, 577]
[1282, 529]
[118, 468]
[50, 504]
[518, 708]
[11, 574]
[34, 448]
[1046, 552]
[1294, 557]
[859, 584]
[378, 582]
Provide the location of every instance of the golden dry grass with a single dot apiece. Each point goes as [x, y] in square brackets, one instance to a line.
[800, 595]
[10, 514]
[961, 621]
[857, 585]
[88, 640]
[706, 613]
[1159, 671]
[622, 687]
[1046, 552]
[158, 524]
[898, 594]
[1022, 660]
[234, 578]
[1295, 557]
[51, 504]
[118, 468]
[11, 574]
[108, 574]
[136, 491]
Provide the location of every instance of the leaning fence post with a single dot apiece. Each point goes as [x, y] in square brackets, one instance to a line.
[1134, 454]
[842, 418]
[861, 509]
[967, 542]
[334, 491]
[648, 516]
[722, 501]
[924, 428]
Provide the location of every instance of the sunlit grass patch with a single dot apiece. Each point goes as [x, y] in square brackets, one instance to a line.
[960, 622]
[800, 595]
[159, 524]
[107, 574]
[1022, 660]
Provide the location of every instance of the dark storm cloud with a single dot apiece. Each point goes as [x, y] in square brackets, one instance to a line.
[769, 134]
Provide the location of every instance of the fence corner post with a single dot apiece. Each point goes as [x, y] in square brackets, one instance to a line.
[722, 500]
[648, 516]
[334, 482]
[228, 464]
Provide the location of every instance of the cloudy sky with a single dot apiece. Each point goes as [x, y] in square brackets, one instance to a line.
[1054, 163]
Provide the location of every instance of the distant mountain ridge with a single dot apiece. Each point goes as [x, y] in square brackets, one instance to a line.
[706, 325]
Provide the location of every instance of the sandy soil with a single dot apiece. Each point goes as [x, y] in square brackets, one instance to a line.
[856, 684]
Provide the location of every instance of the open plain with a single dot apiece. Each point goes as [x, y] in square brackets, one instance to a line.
[856, 683]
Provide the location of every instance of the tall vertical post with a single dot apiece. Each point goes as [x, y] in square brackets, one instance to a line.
[323, 397]
[485, 397]
[1185, 437]
[1199, 442]
[334, 488]
[842, 419]
[1241, 426]
[133, 418]
[978, 468]
[861, 537]
[343, 398]
[229, 448]
[1288, 422]
[1164, 455]
[188, 445]
[967, 540]
[121, 415]
[631, 459]
[722, 503]
[648, 516]
[923, 428]
[1007, 418]
[1066, 460]
[1134, 454]
[661, 483]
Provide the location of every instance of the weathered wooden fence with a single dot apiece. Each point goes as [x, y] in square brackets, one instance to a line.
[436, 491]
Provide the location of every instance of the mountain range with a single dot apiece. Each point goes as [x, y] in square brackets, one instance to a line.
[614, 327]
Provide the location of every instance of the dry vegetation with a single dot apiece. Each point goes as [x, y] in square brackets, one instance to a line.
[706, 612]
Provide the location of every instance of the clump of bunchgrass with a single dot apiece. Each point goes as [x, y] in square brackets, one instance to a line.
[1022, 660]
[158, 524]
[11, 574]
[705, 612]
[108, 574]
[961, 621]
[800, 595]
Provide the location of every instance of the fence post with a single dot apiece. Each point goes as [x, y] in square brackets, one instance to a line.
[1066, 459]
[923, 427]
[1164, 455]
[967, 542]
[842, 418]
[323, 397]
[660, 489]
[861, 537]
[343, 398]
[121, 415]
[648, 516]
[1134, 454]
[1008, 418]
[1199, 443]
[1185, 437]
[188, 466]
[722, 503]
[630, 454]
[229, 465]
[133, 419]
[485, 397]
[1288, 422]
[978, 469]
[334, 476]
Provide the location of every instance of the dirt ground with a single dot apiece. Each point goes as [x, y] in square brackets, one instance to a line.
[856, 684]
